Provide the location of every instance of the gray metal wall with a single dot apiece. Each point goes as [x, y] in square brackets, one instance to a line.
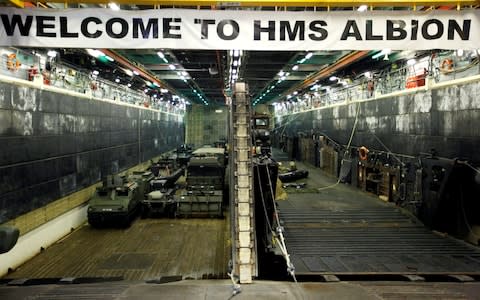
[206, 124]
[54, 144]
[446, 119]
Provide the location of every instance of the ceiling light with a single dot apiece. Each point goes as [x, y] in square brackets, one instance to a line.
[145, 90]
[281, 73]
[295, 93]
[128, 72]
[160, 54]
[109, 58]
[362, 8]
[333, 78]
[163, 91]
[113, 6]
[52, 53]
[411, 62]
[295, 67]
[172, 67]
[94, 52]
[135, 72]
[95, 72]
[117, 80]
[129, 84]
[383, 52]
[155, 96]
[309, 55]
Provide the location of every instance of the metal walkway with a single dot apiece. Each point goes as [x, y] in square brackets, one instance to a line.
[343, 231]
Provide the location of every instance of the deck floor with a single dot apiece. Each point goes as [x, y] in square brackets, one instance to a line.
[149, 249]
[343, 230]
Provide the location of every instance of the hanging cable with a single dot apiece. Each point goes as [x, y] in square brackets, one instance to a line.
[352, 133]
[279, 231]
[388, 150]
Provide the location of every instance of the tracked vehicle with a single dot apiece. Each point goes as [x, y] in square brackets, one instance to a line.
[118, 200]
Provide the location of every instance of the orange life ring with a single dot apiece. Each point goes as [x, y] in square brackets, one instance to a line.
[363, 153]
[447, 64]
[13, 64]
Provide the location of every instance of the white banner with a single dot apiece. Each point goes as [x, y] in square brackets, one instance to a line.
[240, 29]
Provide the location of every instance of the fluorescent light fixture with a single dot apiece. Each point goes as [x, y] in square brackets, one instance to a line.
[309, 55]
[383, 52]
[160, 54]
[145, 90]
[135, 72]
[281, 73]
[52, 53]
[411, 62]
[218, 111]
[163, 91]
[128, 72]
[362, 8]
[95, 72]
[295, 67]
[129, 84]
[172, 67]
[113, 6]
[109, 58]
[333, 78]
[155, 96]
[117, 80]
[94, 52]
[295, 93]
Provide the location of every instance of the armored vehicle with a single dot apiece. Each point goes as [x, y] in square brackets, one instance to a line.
[204, 191]
[116, 202]
[160, 199]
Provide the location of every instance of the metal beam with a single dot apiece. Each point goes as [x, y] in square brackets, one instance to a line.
[327, 71]
[275, 3]
[17, 3]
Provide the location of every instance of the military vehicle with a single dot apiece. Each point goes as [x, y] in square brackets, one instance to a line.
[205, 184]
[118, 200]
[160, 199]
